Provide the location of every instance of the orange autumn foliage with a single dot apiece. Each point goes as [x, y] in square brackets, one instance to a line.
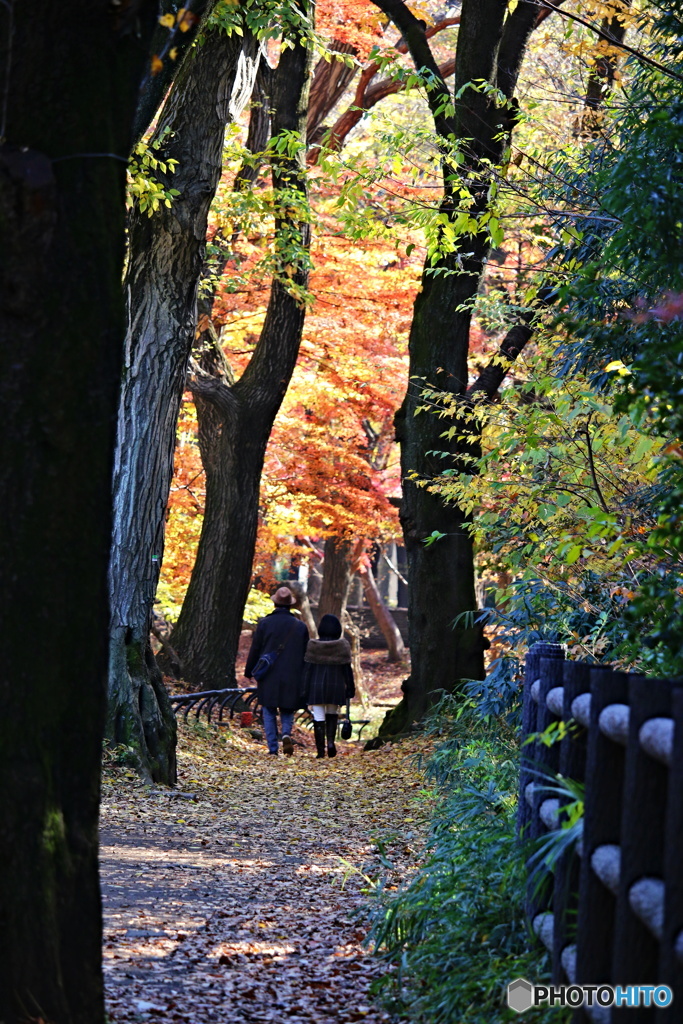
[354, 23]
[332, 466]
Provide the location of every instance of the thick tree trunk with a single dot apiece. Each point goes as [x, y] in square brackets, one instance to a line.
[445, 646]
[165, 261]
[441, 573]
[66, 130]
[383, 617]
[328, 85]
[207, 633]
[337, 577]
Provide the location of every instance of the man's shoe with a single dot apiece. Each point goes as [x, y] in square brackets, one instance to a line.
[287, 746]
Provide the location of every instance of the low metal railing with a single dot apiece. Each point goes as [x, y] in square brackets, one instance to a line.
[237, 699]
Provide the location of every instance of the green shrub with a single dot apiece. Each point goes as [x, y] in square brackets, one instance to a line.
[456, 932]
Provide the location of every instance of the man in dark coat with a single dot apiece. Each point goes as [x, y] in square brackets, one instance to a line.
[281, 686]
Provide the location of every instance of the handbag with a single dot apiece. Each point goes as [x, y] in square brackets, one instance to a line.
[346, 727]
[267, 660]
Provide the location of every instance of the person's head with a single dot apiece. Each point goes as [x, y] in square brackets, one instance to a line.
[329, 628]
[283, 598]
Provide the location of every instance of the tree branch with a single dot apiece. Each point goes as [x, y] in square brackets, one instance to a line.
[367, 95]
[177, 40]
[638, 54]
[211, 389]
[492, 376]
[414, 33]
[591, 464]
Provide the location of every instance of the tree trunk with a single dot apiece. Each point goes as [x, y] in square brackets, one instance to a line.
[328, 85]
[207, 633]
[258, 135]
[165, 260]
[445, 645]
[600, 80]
[383, 617]
[66, 131]
[353, 636]
[177, 40]
[303, 606]
[337, 576]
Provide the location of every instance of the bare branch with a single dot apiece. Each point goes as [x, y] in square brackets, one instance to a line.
[492, 376]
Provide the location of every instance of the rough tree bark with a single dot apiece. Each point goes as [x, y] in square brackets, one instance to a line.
[328, 85]
[177, 40]
[258, 137]
[396, 650]
[165, 259]
[207, 632]
[337, 576]
[445, 650]
[70, 75]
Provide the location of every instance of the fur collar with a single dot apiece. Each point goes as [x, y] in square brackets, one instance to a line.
[328, 652]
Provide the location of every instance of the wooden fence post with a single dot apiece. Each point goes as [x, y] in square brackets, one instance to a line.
[544, 759]
[573, 748]
[529, 722]
[639, 912]
[671, 957]
[601, 831]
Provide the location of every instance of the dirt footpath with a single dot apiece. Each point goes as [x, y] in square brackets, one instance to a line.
[243, 895]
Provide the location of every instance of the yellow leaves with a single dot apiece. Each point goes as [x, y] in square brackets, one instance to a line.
[183, 20]
[623, 593]
[421, 12]
[616, 366]
[156, 64]
[186, 19]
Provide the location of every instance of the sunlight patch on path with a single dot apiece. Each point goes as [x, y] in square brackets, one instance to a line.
[238, 902]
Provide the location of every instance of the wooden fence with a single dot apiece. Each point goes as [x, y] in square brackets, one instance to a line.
[613, 911]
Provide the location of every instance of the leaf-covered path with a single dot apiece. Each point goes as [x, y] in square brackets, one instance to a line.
[235, 899]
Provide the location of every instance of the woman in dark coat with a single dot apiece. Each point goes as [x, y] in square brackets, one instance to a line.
[281, 687]
[328, 681]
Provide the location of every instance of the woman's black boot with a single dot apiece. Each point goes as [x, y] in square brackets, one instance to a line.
[331, 730]
[319, 733]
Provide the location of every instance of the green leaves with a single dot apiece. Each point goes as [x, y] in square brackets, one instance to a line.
[144, 188]
[561, 502]
[457, 927]
[432, 538]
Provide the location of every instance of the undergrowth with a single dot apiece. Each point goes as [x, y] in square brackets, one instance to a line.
[456, 932]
